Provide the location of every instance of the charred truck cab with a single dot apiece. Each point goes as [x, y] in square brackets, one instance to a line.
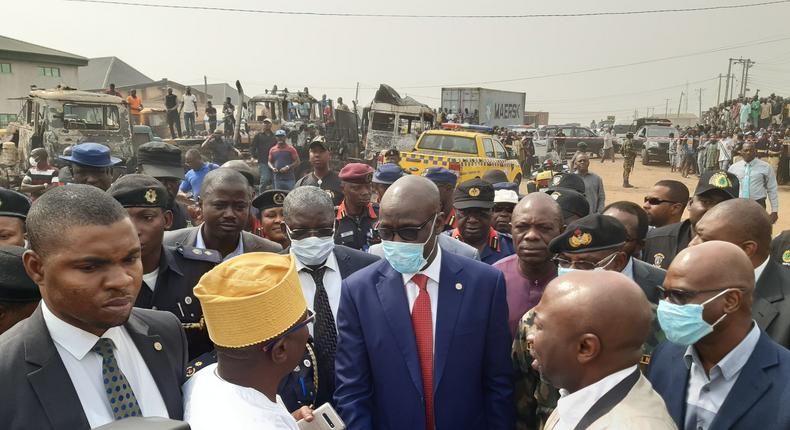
[56, 119]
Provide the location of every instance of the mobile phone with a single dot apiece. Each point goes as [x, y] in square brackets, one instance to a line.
[325, 418]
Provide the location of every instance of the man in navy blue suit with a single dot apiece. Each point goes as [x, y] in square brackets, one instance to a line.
[423, 338]
[719, 370]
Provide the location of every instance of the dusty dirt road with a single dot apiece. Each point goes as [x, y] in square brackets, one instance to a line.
[643, 178]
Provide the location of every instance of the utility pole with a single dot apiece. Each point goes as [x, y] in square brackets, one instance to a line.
[727, 87]
[679, 102]
[718, 94]
[666, 108]
[205, 86]
[748, 65]
[700, 90]
[686, 105]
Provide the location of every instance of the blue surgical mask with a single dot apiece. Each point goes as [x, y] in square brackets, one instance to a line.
[564, 270]
[312, 251]
[405, 257]
[683, 324]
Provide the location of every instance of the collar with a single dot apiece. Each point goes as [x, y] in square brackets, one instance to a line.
[571, 407]
[199, 243]
[330, 263]
[733, 362]
[493, 238]
[629, 269]
[451, 219]
[758, 271]
[76, 341]
[432, 271]
[342, 212]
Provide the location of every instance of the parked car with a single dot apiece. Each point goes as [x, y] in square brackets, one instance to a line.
[573, 136]
[653, 142]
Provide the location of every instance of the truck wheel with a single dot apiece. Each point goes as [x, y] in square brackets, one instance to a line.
[645, 157]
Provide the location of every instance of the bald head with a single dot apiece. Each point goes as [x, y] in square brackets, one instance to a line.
[709, 264]
[741, 222]
[411, 193]
[574, 345]
[539, 203]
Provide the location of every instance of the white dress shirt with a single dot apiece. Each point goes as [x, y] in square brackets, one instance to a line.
[150, 279]
[199, 243]
[211, 403]
[332, 281]
[758, 271]
[85, 369]
[629, 269]
[762, 181]
[412, 290]
[705, 393]
[571, 407]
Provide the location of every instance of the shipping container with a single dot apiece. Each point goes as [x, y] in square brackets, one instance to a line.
[484, 106]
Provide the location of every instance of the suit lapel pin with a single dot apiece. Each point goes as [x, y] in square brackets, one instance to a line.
[459, 287]
[157, 346]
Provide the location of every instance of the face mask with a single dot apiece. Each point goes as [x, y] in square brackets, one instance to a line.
[312, 251]
[564, 270]
[32, 161]
[406, 257]
[683, 324]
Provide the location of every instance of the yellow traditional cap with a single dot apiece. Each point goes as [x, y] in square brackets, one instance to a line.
[250, 299]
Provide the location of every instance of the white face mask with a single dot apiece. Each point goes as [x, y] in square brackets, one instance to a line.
[32, 161]
[312, 251]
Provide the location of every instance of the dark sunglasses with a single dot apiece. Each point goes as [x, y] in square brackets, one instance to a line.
[310, 318]
[408, 234]
[676, 295]
[654, 201]
[304, 233]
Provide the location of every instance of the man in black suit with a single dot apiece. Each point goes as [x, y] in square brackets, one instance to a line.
[635, 221]
[309, 222]
[225, 203]
[86, 357]
[746, 224]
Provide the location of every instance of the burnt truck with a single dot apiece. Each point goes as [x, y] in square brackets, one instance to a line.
[392, 121]
[493, 108]
[55, 119]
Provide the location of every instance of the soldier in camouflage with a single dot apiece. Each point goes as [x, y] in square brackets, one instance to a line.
[629, 156]
[595, 241]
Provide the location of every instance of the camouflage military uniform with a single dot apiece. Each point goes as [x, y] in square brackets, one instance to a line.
[535, 399]
[629, 156]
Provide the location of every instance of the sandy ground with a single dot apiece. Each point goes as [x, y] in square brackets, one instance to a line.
[643, 178]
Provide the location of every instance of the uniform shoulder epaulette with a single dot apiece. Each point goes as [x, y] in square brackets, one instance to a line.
[201, 362]
[199, 254]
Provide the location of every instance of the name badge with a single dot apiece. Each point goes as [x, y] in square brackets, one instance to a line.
[347, 234]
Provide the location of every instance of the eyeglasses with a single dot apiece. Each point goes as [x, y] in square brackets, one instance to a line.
[408, 234]
[296, 327]
[304, 233]
[679, 296]
[584, 265]
[655, 201]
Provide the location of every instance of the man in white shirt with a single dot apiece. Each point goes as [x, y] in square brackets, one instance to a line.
[757, 179]
[257, 318]
[189, 108]
[85, 357]
[726, 146]
[309, 218]
[595, 360]
[608, 145]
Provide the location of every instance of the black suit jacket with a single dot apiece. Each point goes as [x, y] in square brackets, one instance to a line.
[771, 307]
[648, 277]
[250, 242]
[37, 392]
[350, 260]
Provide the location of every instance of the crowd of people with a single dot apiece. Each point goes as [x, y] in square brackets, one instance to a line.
[249, 293]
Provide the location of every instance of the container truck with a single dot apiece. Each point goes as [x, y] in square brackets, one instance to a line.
[484, 106]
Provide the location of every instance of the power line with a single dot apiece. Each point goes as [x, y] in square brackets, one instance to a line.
[415, 16]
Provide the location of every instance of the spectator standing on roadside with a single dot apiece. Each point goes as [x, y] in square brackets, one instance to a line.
[757, 179]
[765, 113]
[220, 149]
[135, 106]
[559, 144]
[725, 152]
[593, 184]
[283, 160]
[193, 179]
[756, 107]
[211, 113]
[672, 151]
[262, 143]
[189, 108]
[39, 177]
[608, 145]
[745, 114]
[173, 119]
[228, 117]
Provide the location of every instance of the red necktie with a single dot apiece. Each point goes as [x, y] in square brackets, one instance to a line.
[422, 321]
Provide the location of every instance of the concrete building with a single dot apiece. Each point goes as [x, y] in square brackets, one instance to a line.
[24, 64]
[536, 118]
[219, 92]
[103, 71]
[153, 94]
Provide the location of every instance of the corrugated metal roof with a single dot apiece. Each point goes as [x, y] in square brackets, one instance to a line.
[103, 71]
[20, 50]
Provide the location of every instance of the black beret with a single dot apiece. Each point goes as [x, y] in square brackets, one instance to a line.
[571, 201]
[569, 180]
[13, 204]
[139, 191]
[474, 193]
[160, 160]
[270, 199]
[594, 232]
[15, 285]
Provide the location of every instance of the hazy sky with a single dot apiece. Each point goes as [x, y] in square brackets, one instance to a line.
[331, 54]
